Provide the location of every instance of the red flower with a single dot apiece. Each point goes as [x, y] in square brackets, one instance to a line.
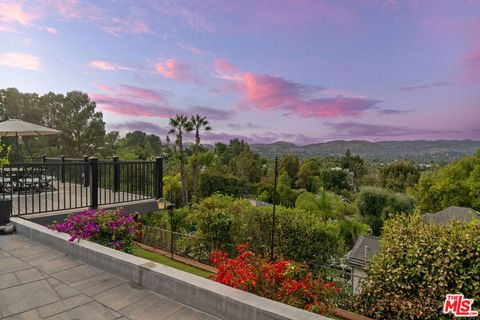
[285, 281]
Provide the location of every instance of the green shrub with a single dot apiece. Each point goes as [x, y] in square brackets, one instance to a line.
[307, 201]
[345, 209]
[223, 220]
[335, 180]
[352, 229]
[320, 241]
[161, 219]
[458, 184]
[322, 204]
[418, 265]
[377, 204]
[400, 175]
[213, 182]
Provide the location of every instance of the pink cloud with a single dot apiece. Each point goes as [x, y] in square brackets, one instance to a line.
[471, 66]
[118, 26]
[20, 60]
[131, 100]
[14, 13]
[332, 107]
[52, 30]
[69, 9]
[143, 94]
[191, 48]
[267, 92]
[122, 106]
[102, 87]
[178, 70]
[102, 65]
[223, 66]
[275, 15]
[141, 126]
[137, 101]
[135, 93]
[211, 113]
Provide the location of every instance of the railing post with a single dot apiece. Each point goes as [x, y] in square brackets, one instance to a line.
[62, 172]
[44, 158]
[116, 174]
[93, 182]
[158, 177]
[86, 174]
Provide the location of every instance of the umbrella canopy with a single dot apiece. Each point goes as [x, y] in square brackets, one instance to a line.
[19, 128]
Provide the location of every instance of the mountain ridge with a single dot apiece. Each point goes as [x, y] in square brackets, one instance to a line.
[386, 149]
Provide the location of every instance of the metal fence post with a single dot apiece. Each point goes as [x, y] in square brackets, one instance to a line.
[93, 182]
[116, 174]
[44, 158]
[62, 172]
[158, 177]
[86, 174]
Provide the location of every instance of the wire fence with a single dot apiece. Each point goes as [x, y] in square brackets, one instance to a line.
[183, 244]
[198, 248]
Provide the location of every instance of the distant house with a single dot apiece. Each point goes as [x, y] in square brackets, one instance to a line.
[359, 256]
[451, 213]
[367, 246]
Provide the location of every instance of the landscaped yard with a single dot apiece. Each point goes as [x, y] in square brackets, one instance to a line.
[142, 253]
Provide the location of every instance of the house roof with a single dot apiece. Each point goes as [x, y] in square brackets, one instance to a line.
[367, 246]
[363, 250]
[258, 203]
[451, 213]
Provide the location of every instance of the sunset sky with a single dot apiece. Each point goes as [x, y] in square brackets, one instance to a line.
[302, 71]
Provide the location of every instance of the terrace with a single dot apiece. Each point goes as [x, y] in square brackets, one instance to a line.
[45, 276]
[37, 282]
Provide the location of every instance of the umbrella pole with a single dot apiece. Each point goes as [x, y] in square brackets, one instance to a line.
[16, 143]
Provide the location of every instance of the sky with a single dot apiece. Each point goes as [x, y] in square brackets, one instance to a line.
[301, 71]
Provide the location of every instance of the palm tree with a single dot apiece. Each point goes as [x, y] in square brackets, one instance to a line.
[198, 123]
[180, 125]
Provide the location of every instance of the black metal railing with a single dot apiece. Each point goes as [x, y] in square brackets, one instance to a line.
[69, 183]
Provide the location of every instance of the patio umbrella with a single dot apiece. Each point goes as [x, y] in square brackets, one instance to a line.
[19, 128]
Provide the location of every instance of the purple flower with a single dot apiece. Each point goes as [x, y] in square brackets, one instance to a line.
[113, 228]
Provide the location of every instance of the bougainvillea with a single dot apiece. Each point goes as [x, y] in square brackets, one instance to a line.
[112, 228]
[284, 281]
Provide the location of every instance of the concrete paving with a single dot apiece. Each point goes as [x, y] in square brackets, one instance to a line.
[37, 282]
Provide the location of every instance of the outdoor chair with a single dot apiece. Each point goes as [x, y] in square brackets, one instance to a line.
[5, 184]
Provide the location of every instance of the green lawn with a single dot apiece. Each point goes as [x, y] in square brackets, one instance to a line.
[142, 253]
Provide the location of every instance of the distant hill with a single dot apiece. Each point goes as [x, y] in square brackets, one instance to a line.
[417, 150]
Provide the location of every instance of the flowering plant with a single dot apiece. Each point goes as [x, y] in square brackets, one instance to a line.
[112, 228]
[285, 281]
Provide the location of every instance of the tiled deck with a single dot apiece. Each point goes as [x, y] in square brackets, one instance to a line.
[65, 196]
[37, 282]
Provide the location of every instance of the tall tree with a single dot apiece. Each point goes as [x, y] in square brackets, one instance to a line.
[83, 128]
[74, 114]
[198, 123]
[290, 164]
[400, 175]
[178, 126]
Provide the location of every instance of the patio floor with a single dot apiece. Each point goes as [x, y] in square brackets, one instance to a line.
[37, 282]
